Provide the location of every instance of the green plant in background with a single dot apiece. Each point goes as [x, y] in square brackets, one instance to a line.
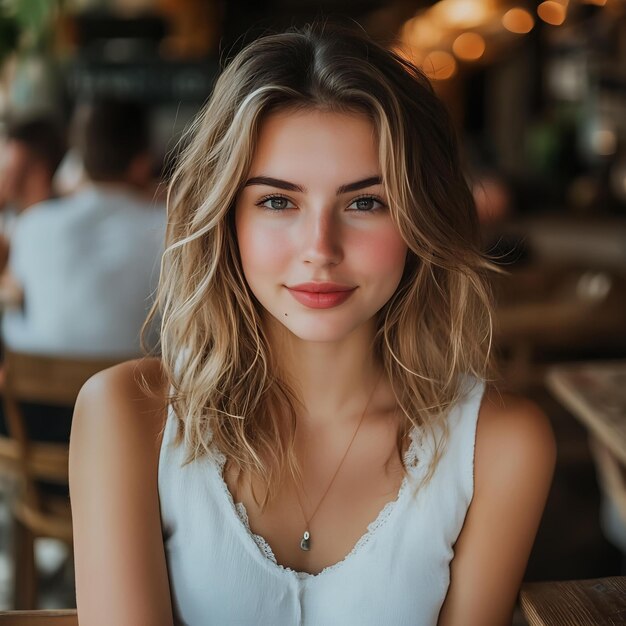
[28, 33]
[9, 34]
[27, 25]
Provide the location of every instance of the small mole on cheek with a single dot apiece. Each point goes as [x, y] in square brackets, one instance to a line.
[285, 314]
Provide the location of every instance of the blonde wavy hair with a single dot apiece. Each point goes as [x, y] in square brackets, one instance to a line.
[226, 389]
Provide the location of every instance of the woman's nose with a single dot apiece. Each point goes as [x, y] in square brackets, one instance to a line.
[321, 240]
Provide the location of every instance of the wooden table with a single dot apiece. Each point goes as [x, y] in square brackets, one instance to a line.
[60, 617]
[595, 393]
[598, 602]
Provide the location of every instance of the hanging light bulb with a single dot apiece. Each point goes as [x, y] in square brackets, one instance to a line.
[551, 12]
[518, 21]
[469, 46]
[424, 33]
[461, 13]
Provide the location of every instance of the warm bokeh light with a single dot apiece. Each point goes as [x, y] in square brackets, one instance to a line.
[461, 13]
[604, 141]
[422, 32]
[518, 21]
[469, 46]
[598, 3]
[551, 12]
[439, 65]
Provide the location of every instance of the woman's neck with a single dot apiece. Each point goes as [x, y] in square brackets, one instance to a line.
[334, 380]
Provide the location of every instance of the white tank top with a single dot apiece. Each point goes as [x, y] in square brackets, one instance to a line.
[398, 572]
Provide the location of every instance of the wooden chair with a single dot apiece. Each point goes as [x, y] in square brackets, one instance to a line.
[39, 618]
[595, 602]
[49, 381]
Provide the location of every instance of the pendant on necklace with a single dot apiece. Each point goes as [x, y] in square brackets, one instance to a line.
[305, 543]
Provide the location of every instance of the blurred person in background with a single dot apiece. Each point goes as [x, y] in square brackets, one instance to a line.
[31, 154]
[87, 264]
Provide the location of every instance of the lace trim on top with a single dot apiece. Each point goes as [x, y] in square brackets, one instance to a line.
[413, 457]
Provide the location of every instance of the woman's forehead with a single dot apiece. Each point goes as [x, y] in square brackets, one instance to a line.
[314, 143]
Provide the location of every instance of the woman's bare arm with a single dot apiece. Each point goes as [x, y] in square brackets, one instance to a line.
[121, 574]
[514, 463]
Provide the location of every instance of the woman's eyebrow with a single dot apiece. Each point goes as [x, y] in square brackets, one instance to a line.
[359, 184]
[287, 186]
[274, 182]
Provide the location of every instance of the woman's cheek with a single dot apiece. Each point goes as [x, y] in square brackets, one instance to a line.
[263, 248]
[385, 253]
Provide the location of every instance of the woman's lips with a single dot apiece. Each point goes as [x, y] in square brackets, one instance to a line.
[321, 300]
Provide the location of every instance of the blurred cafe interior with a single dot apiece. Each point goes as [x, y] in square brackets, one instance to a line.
[537, 90]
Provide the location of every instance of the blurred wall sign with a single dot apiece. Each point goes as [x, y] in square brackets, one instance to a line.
[148, 81]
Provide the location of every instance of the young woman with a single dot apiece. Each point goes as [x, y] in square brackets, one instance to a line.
[316, 444]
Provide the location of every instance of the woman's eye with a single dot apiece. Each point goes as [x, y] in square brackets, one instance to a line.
[276, 203]
[367, 204]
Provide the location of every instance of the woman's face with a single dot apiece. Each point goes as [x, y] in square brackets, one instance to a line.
[313, 210]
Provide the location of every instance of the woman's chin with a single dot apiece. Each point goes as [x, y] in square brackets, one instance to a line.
[319, 332]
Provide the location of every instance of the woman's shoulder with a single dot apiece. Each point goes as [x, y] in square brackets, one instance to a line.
[515, 447]
[139, 381]
[511, 424]
[127, 401]
[129, 375]
[113, 476]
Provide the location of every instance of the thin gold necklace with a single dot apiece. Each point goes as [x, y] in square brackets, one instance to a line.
[305, 542]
